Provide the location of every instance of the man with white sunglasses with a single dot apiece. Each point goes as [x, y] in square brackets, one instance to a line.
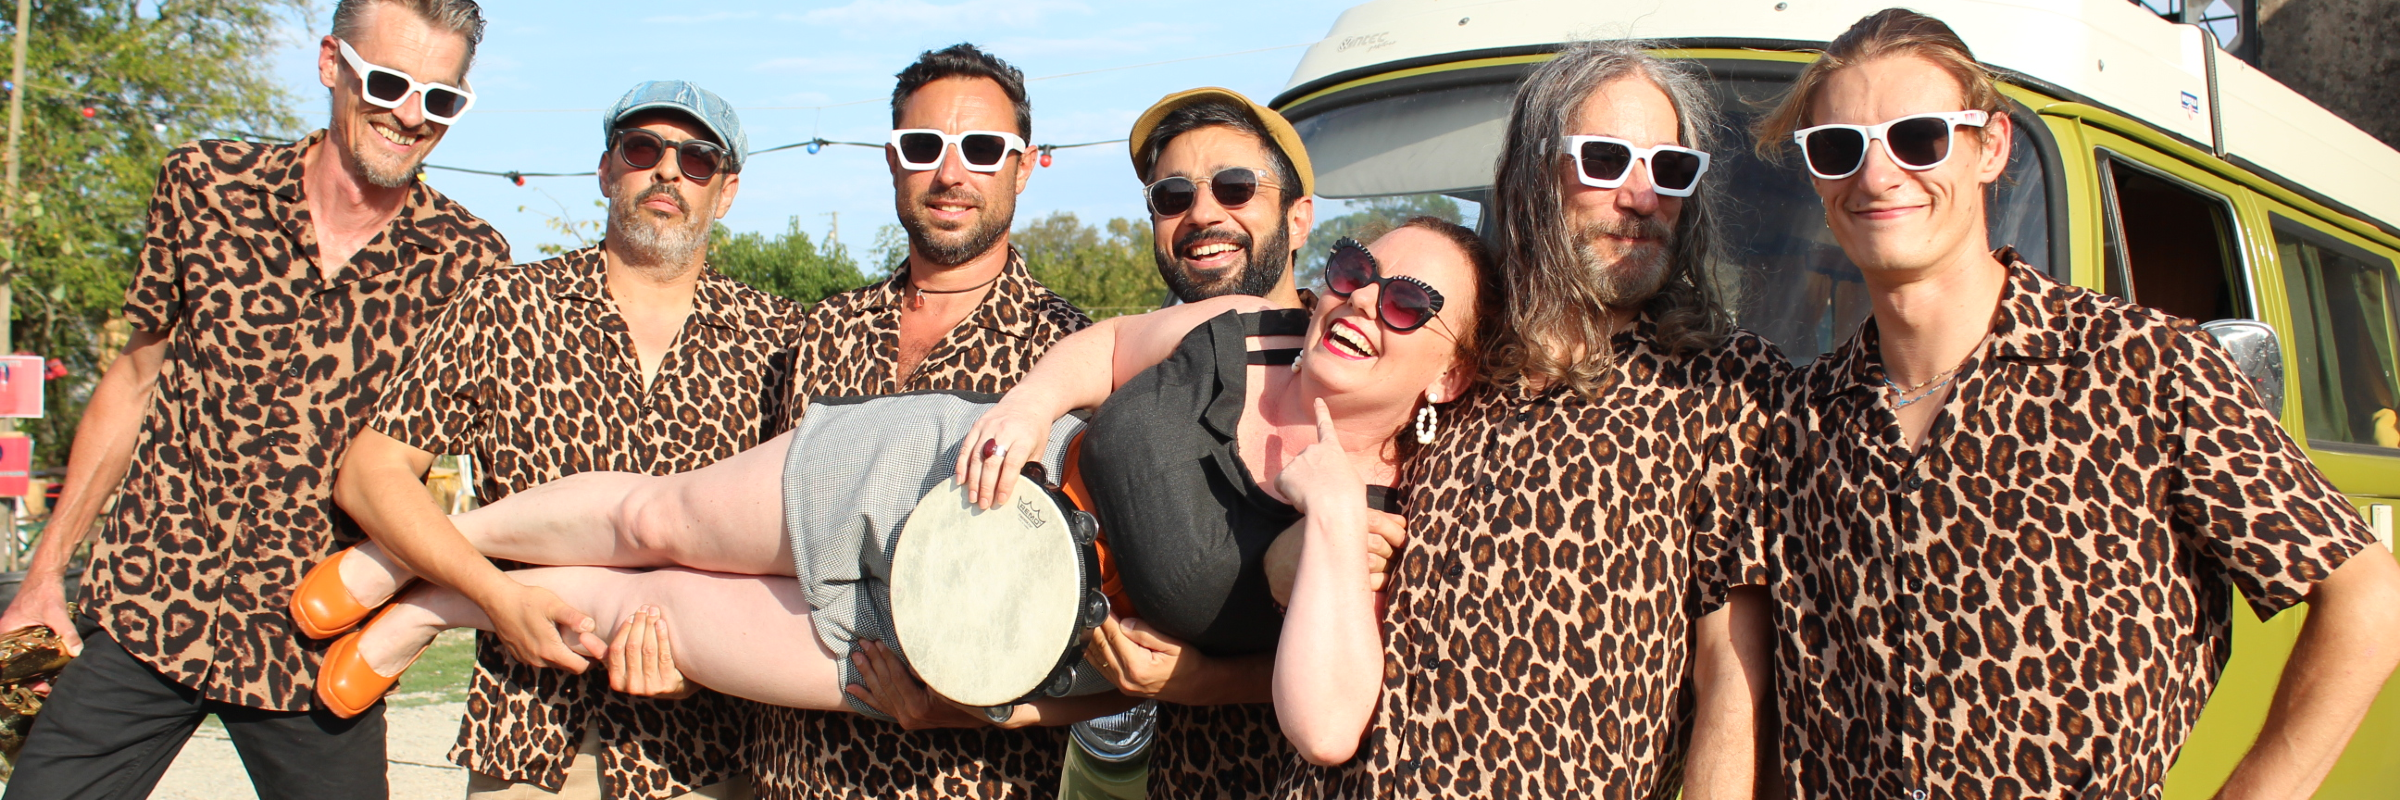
[961, 314]
[2014, 513]
[1570, 617]
[276, 288]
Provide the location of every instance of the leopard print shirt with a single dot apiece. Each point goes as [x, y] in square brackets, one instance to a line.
[533, 372]
[272, 360]
[1225, 752]
[849, 346]
[2038, 603]
[1536, 642]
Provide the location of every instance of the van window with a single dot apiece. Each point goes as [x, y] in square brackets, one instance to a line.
[2345, 317]
[2169, 246]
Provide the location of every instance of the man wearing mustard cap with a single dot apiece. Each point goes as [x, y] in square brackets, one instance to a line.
[1227, 182]
[1228, 185]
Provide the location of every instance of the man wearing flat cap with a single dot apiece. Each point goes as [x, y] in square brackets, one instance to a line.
[632, 356]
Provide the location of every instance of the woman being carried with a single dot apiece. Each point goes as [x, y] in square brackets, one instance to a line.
[1213, 435]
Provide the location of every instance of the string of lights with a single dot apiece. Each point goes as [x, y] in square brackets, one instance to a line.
[814, 146]
[818, 145]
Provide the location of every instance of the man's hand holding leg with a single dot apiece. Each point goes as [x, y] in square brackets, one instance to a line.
[382, 487]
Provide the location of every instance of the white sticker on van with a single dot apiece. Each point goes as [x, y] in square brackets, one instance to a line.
[2379, 517]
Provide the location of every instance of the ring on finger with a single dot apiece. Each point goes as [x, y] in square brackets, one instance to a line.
[994, 448]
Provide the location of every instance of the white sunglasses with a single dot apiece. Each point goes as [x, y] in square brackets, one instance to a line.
[1606, 161]
[921, 149]
[387, 88]
[1916, 142]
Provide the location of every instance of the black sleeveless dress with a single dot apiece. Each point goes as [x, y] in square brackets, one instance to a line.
[1187, 524]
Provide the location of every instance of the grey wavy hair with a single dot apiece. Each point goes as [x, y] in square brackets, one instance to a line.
[1554, 328]
[462, 17]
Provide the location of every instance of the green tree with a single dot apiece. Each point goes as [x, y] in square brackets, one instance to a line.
[585, 232]
[889, 251]
[1369, 218]
[150, 75]
[789, 265]
[1107, 272]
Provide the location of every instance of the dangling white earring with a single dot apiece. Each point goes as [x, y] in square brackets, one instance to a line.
[1296, 360]
[1426, 423]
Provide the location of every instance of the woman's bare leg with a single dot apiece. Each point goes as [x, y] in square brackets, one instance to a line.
[745, 635]
[725, 517]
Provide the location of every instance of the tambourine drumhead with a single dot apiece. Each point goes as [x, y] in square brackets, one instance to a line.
[984, 602]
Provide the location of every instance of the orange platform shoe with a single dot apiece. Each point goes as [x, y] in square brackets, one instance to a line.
[322, 605]
[346, 685]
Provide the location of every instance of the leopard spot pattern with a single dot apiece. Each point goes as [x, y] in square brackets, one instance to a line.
[2038, 603]
[272, 363]
[849, 346]
[1228, 752]
[1561, 548]
[534, 373]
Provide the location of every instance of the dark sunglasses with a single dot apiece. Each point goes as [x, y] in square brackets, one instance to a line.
[698, 160]
[1232, 187]
[1405, 304]
[1917, 142]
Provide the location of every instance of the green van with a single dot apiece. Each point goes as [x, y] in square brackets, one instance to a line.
[2148, 164]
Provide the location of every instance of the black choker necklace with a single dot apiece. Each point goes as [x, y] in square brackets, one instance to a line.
[916, 294]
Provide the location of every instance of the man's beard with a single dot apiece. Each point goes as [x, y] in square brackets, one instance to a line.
[925, 240]
[1260, 270]
[1628, 276]
[378, 171]
[647, 237]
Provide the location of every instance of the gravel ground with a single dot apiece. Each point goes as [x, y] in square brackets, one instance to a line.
[208, 768]
[421, 722]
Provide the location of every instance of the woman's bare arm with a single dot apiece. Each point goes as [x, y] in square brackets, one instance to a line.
[1329, 662]
[1732, 675]
[1077, 372]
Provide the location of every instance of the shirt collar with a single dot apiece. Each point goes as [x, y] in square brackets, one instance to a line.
[1626, 344]
[2026, 325]
[713, 300]
[713, 303]
[2022, 327]
[1015, 287]
[280, 171]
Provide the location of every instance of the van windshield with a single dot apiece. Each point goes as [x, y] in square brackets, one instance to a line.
[1790, 281]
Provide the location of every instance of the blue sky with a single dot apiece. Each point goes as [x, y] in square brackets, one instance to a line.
[546, 69]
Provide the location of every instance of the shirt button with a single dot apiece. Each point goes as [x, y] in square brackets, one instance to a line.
[1915, 481]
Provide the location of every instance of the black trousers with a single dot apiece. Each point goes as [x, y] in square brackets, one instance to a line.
[113, 724]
